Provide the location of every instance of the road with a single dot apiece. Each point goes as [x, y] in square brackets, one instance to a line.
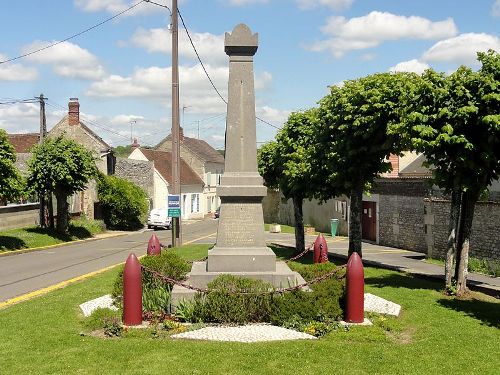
[27, 272]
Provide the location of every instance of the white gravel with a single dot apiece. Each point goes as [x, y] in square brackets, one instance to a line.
[381, 306]
[104, 302]
[247, 333]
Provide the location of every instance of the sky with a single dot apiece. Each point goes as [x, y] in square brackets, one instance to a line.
[121, 71]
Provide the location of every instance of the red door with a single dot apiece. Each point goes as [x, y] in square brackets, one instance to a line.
[369, 221]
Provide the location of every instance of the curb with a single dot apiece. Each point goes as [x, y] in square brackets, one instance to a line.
[471, 284]
[62, 244]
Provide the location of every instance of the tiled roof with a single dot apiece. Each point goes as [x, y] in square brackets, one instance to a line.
[163, 164]
[200, 148]
[23, 142]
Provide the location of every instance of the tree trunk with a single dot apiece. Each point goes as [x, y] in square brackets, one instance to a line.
[51, 211]
[62, 212]
[451, 246]
[299, 224]
[469, 199]
[356, 207]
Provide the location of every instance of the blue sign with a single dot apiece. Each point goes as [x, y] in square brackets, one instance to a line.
[174, 201]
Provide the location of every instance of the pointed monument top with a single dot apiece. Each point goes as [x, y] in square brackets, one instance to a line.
[241, 41]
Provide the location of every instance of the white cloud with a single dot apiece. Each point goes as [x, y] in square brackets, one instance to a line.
[274, 116]
[462, 48]
[246, 2]
[16, 72]
[414, 66]
[495, 9]
[117, 6]
[209, 46]
[332, 4]
[155, 82]
[25, 117]
[68, 60]
[125, 119]
[376, 27]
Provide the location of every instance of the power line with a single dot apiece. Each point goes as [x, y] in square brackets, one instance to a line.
[199, 59]
[91, 122]
[74, 35]
[206, 73]
[20, 101]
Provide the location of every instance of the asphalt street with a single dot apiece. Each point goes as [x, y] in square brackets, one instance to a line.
[27, 272]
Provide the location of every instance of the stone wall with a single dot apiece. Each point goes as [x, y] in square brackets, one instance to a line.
[19, 216]
[485, 237]
[401, 212]
[139, 172]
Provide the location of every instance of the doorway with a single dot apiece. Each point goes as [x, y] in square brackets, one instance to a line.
[369, 221]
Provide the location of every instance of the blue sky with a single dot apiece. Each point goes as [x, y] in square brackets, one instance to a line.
[121, 71]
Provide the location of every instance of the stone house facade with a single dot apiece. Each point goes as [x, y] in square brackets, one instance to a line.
[192, 186]
[205, 161]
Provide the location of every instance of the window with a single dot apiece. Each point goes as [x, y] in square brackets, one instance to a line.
[209, 179]
[195, 203]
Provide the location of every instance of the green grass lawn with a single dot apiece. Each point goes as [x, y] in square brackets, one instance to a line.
[488, 267]
[30, 237]
[435, 334]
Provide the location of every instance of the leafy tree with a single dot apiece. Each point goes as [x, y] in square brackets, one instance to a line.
[287, 164]
[358, 133]
[11, 182]
[123, 151]
[456, 123]
[124, 204]
[62, 167]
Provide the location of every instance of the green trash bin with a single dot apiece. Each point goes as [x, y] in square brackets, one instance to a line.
[334, 223]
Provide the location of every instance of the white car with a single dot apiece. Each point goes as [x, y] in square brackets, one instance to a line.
[158, 218]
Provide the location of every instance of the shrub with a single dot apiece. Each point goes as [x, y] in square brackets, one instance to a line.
[83, 227]
[98, 318]
[124, 204]
[486, 266]
[155, 292]
[222, 304]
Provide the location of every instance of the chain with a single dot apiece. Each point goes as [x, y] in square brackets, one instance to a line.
[170, 280]
[301, 254]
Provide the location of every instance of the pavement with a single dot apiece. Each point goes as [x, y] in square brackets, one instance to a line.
[401, 260]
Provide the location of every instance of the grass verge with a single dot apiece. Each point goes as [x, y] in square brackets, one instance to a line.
[484, 266]
[433, 332]
[31, 237]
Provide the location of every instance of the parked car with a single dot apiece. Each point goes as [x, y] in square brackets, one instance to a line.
[158, 218]
[217, 213]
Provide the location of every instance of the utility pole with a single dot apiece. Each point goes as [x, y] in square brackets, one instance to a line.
[176, 173]
[132, 122]
[198, 128]
[46, 213]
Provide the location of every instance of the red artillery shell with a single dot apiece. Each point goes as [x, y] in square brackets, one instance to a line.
[320, 249]
[132, 292]
[154, 247]
[355, 281]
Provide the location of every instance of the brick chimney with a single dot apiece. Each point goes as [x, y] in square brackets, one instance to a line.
[135, 144]
[394, 160]
[73, 112]
[181, 134]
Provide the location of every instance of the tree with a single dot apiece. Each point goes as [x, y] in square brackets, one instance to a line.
[456, 123]
[62, 167]
[11, 182]
[124, 204]
[358, 135]
[287, 164]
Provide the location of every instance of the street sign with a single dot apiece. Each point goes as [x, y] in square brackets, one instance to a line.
[174, 205]
[174, 212]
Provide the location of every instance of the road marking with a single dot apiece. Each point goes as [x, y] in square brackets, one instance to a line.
[51, 288]
[62, 284]
[200, 238]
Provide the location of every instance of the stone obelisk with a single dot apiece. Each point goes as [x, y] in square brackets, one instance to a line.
[241, 246]
[241, 242]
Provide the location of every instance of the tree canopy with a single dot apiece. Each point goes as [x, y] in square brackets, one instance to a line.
[11, 182]
[361, 124]
[62, 167]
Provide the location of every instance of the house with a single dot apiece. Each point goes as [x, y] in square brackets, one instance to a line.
[205, 161]
[192, 186]
[22, 144]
